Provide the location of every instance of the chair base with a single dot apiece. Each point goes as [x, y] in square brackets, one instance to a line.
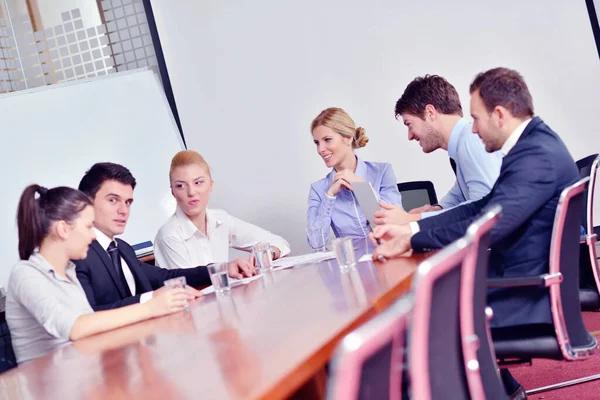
[514, 362]
[563, 384]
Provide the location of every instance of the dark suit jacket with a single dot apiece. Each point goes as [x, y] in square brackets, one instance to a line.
[532, 176]
[103, 288]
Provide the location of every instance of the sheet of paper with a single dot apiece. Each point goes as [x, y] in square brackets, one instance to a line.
[234, 283]
[282, 263]
[366, 257]
[287, 262]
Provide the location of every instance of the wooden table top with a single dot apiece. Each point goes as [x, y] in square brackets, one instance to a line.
[262, 340]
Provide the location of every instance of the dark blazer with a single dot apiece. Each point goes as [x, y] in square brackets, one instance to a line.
[532, 177]
[103, 288]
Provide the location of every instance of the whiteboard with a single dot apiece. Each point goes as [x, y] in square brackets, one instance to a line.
[53, 135]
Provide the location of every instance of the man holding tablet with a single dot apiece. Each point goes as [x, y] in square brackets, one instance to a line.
[431, 110]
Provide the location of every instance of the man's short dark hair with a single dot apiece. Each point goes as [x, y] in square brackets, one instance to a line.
[429, 89]
[102, 172]
[504, 87]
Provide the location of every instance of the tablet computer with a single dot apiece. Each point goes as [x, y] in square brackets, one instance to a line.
[367, 199]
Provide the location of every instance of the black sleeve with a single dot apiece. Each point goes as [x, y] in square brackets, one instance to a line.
[197, 276]
[83, 275]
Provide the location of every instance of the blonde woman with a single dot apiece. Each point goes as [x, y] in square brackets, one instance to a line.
[197, 235]
[331, 201]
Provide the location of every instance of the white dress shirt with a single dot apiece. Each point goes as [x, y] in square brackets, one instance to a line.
[180, 244]
[510, 142]
[42, 307]
[514, 137]
[105, 241]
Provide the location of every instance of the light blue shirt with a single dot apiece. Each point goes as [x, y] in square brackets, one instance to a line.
[342, 212]
[476, 169]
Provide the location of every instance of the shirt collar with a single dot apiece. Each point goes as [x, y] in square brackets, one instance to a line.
[454, 136]
[102, 239]
[43, 265]
[189, 229]
[512, 140]
[361, 170]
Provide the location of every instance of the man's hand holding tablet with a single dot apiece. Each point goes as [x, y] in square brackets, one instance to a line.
[392, 214]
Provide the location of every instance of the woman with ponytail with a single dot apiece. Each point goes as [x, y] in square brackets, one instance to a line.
[331, 201]
[46, 306]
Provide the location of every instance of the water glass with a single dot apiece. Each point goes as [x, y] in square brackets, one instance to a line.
[317, 238]
[344, 252]
[263, 255]
[219, 277]
[175, 283]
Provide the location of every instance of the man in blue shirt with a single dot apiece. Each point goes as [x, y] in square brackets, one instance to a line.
[431, 110]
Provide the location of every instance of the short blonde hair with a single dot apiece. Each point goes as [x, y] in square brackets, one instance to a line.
[340, 122]
[188, 157]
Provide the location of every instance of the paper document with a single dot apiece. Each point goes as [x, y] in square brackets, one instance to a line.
[234, 283]
[366, 257]
[287, 262]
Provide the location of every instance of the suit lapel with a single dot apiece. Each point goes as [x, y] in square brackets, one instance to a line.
[107, 264]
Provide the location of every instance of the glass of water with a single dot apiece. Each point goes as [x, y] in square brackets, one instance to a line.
[344, 252]
[175, 283]
[219, 276]
[263, 255]
[316, 238]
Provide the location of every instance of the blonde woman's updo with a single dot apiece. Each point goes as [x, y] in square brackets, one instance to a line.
[340, 122]
[188, 157]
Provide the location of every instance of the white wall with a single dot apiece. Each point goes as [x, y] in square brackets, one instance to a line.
[249, 76]
[53, 134]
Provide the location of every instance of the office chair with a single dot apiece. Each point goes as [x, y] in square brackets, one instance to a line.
[416, 194]
[480, 359]
[568, 338]
[589, 292]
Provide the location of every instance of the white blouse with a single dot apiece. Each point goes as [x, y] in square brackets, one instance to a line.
[179, 243]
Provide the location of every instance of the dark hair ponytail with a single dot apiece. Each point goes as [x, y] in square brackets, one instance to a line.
[36, 215]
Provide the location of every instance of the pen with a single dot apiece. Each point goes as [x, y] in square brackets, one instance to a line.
[379, 257]
[371, 230]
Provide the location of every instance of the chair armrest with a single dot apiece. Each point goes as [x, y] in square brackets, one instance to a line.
[540, 280]
[589, 239]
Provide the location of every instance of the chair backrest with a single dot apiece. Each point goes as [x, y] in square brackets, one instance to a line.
[7, 355]
[573, 338]
[416, 194]
[367, 363]
[480, 359]
[589, 268]
[588, 167]
[434, 345]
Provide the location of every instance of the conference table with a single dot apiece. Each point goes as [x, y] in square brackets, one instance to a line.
[270, 338]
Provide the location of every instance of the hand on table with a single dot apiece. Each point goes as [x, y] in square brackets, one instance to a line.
[395, 240]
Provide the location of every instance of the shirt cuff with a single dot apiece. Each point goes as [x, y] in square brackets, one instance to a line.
[145, 297]
[327, 205]
[414, 227]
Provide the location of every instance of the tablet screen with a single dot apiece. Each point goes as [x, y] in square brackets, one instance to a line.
[367, 199]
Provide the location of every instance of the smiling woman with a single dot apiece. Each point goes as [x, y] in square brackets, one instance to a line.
[196, 235]
[331, 201]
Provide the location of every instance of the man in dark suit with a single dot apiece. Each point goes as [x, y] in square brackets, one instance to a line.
[111, 275]
[536, 168]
